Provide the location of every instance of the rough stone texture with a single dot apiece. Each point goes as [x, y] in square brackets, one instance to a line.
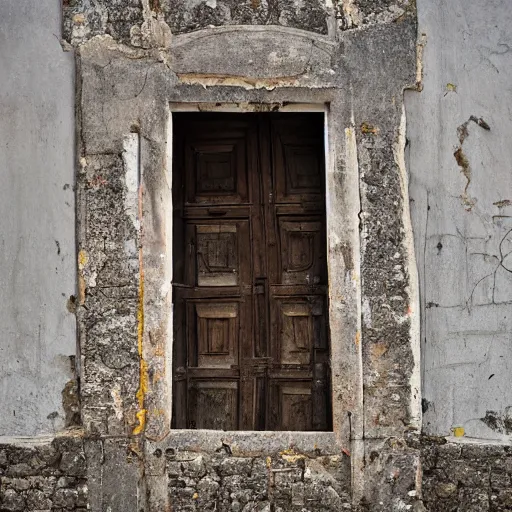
[363, 13]
[73, 473]
[388, 304]
[85, 19]
[37, 219]
[187, 15]
[392, 476]
[46, 475]
[360, 66]
[127, 20]
[459, 127]
[285, 481]
[108, 300]
[466, 477]
[125, 253]
[114, 474]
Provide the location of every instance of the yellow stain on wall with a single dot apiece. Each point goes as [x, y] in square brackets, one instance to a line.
[81, 290]
[82, 259]
[458, 431]
[143, 373]
[293, 458]
[369, 129]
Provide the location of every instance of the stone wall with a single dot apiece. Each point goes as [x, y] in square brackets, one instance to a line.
[251, 56]
[135, 59]
[46, 475]
[286, 481]
[466, 476]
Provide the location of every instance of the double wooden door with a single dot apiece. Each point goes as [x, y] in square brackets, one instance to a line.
[251, 349]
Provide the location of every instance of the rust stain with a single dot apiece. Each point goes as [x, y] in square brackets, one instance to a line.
[97, 181]
[81, 290]
[255, 3]
[358, 338]
[463, 163]
[157, 377]
[379, 349]
[154, 5]
[369, 129]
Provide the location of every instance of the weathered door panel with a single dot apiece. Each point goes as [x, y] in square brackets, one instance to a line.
[250, 276]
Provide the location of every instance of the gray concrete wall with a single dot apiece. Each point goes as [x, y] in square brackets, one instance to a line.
[460, 158]
[37, 213]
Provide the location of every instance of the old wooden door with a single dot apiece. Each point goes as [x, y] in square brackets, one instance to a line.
[251, 348]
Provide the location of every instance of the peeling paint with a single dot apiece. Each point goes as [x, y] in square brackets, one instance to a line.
[462, 160]
[247, 83]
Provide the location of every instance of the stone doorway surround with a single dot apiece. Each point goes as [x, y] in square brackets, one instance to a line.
[126, 97]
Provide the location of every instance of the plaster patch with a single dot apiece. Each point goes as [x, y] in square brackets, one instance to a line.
[367, 313]
[117, 401]
[351, 13]
[131, 173]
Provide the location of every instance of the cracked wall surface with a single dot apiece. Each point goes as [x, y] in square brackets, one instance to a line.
[461, 207]
[37, 221]
[125, 93]
[138, 59]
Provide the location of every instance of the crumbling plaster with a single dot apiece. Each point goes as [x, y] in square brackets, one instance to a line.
[134, 62]
[459, 155]
[125, 96]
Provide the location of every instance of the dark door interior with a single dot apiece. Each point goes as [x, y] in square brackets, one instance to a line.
[251, 347]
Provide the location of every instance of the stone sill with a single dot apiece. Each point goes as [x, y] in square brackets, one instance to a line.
[253, 442]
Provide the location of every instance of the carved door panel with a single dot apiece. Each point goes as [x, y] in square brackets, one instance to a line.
[250, 350]
[299, 379]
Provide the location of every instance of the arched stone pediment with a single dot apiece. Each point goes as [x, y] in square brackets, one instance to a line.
[253, 54]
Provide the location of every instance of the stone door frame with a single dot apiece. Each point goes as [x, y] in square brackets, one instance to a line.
[126, 98]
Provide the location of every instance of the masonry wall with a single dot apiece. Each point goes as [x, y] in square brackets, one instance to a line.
[133, 59]
[37, 221]
[459, 128]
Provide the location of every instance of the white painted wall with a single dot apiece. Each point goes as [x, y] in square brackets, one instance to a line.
[37, 217]
[462, 233]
